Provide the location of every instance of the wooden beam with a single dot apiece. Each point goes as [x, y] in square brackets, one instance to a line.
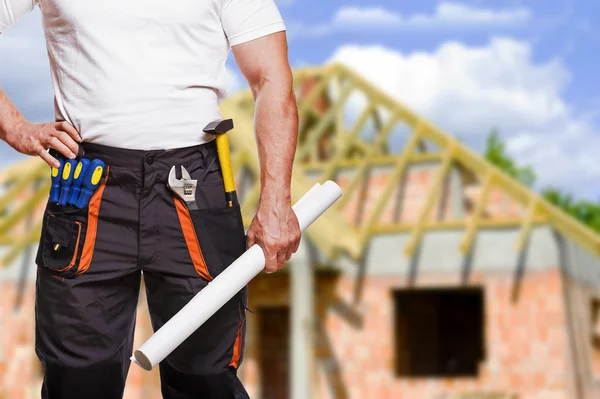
[563, 222]
[429, 201]
[376, 95]
[7, 223]
[376, 161]
[454, 225]
[365, 163]
[526, 224]
[33, 167]
[31, 237]
[252, 198]
[331, 166]
[330, 232]
[339, 123]
[486, 188]
[312, 141]
[305, 103]
[396, 175]
[238, 160]
[18, 187]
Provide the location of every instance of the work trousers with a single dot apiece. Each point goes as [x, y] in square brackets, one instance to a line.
[90, 263]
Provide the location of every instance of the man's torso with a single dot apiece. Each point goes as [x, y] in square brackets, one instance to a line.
[141, 74]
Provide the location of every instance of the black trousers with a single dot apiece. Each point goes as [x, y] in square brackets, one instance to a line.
[90, 262]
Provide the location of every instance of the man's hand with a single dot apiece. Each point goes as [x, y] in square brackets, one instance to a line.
[35, 139]
[275, 228]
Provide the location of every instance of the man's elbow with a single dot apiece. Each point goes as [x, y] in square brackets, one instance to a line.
[279, 83]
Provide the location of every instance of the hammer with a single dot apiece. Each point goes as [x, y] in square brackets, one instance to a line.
[220, 128]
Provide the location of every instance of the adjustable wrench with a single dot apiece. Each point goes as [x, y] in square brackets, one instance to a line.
[184, 188]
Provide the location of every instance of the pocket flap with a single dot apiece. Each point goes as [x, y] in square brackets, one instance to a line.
[60, 230]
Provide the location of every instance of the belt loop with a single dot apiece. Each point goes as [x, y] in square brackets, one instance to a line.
[202, 151]
[81, 151]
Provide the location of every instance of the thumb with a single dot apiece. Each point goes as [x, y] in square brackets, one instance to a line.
[250, 241]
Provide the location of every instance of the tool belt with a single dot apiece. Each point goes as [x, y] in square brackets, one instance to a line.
[71, 215]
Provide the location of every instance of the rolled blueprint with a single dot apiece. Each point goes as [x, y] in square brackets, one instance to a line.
[227, 284]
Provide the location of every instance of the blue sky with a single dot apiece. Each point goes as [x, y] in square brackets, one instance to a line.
[526, 68]
[565, 29]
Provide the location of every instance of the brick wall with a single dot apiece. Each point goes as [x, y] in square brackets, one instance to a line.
[526, 340]
[527, 351]
[406, 200]
[585, 327]
[20, 370]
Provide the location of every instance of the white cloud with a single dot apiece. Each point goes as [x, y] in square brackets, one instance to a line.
[467, 91]
[371, 16]
[447, 15]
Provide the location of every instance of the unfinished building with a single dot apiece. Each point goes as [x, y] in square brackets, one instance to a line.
[435, 276]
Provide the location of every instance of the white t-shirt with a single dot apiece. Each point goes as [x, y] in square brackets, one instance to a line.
[143, 74]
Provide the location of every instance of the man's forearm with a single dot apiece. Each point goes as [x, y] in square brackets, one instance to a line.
[9, 115]
[276, 128]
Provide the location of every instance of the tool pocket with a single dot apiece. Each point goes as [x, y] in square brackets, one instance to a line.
[62, 240]
[214, 237]
[68, 237]
[220, 233]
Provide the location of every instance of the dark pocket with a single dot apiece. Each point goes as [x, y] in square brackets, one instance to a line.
[221, 236]
[211, 195]
[62, 240]
[210, 192]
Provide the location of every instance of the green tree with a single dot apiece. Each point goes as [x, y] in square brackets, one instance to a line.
[495, 152]
[558, 198]
[585, 211]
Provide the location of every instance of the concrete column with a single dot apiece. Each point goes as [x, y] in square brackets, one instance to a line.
[456, 194]
[302, 324]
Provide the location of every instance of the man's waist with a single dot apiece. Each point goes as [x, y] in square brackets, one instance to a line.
[137, 159]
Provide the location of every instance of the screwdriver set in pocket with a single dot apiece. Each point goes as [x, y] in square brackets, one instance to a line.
[74, 182]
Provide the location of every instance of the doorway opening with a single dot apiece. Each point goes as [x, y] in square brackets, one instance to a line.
[274, 348]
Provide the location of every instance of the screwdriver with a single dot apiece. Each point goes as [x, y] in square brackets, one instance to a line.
[78, 178]
[56, 175]
[91, 181]
[66, 181]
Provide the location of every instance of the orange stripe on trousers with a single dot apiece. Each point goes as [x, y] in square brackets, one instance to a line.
[191, 239]
[92, 227]
[237, 347]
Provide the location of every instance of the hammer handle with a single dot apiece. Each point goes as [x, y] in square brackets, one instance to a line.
[226, 169]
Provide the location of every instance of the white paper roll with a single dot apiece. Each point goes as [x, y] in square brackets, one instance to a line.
[227, 284]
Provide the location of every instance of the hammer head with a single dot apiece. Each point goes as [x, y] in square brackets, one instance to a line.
[219, 126]
[184, 188]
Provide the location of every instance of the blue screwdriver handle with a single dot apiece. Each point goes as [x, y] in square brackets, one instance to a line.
[55, 174]
[91, 182]
[78, 178]
[66, 181]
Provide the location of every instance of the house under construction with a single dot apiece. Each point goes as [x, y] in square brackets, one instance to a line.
[435, 275]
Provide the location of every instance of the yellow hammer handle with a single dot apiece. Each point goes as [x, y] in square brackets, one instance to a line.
[225, 161]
